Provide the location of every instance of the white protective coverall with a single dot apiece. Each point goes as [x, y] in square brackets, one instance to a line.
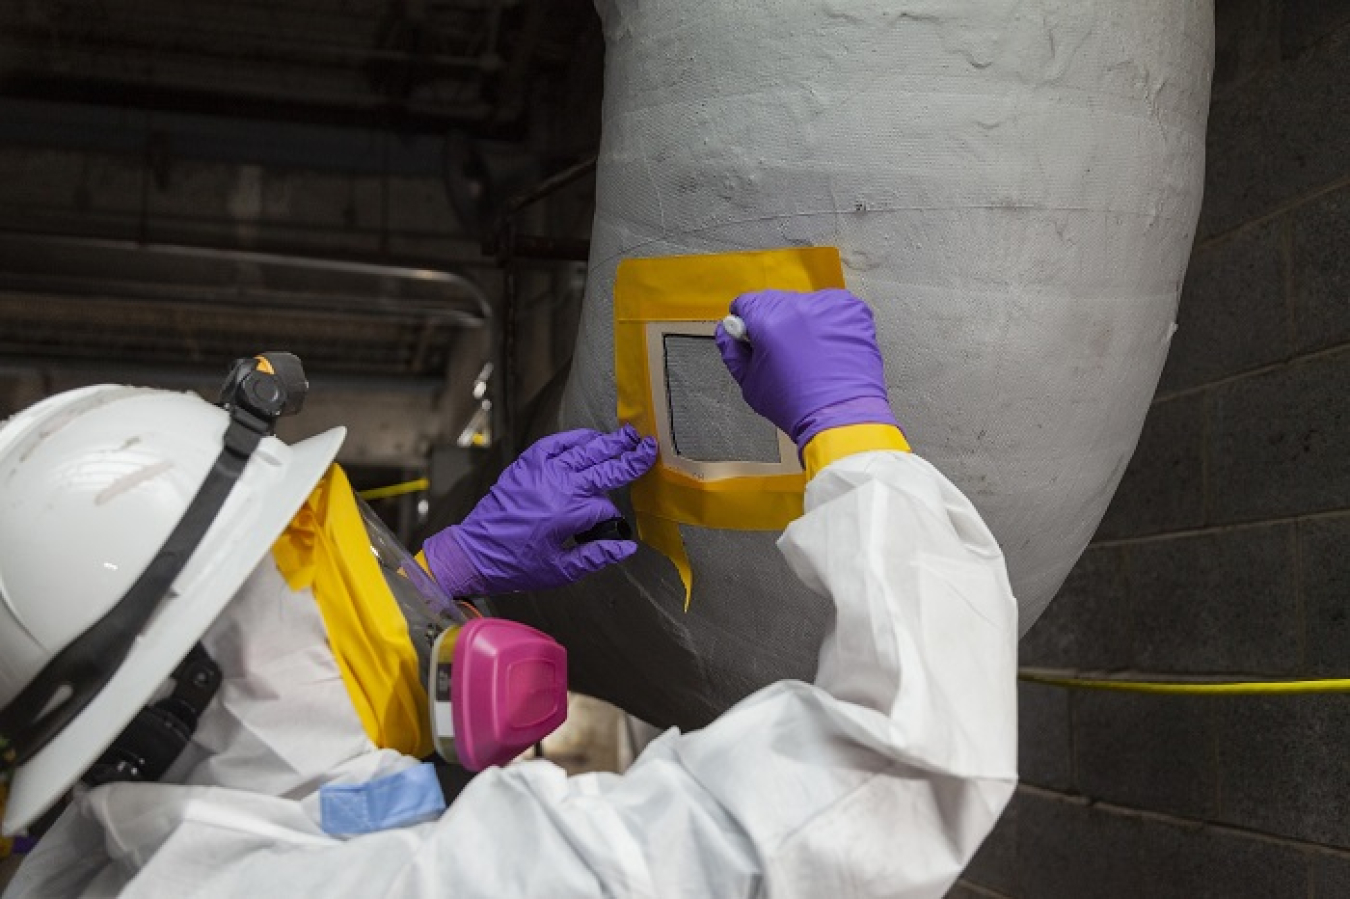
[881, 779]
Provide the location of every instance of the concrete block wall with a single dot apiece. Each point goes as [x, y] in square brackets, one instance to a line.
[1227, 548]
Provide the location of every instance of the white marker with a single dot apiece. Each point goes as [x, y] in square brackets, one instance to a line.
[735, 326]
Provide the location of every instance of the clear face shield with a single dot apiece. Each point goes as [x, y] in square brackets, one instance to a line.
[496, 687]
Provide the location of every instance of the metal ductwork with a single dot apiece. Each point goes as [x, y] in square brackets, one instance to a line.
[1014, 188]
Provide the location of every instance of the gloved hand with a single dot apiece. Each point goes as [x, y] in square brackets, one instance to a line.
[513, 539]
[812, 362]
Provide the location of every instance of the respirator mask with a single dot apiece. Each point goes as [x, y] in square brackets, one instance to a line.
[495, 687]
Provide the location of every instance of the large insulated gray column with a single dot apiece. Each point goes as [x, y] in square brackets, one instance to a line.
[1013, 187]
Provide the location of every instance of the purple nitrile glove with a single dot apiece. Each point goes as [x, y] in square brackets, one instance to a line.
[514, 538]
[811, 362]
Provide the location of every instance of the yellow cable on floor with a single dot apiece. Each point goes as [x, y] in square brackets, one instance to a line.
[394, 489]
[1237, 688]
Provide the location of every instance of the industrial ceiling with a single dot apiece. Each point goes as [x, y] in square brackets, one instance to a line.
[187, 182]
[365, 183]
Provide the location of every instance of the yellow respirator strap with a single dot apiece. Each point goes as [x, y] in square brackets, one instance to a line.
[700, 289]
[326, 549]
[836, 443]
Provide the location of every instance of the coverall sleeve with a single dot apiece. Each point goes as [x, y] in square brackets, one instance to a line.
[880, 779]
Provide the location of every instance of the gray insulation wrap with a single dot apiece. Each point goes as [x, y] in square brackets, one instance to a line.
[1013, 187]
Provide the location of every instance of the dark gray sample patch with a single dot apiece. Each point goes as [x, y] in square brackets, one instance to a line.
[709, 421]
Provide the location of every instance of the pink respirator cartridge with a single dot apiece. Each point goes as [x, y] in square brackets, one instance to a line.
[497, 687]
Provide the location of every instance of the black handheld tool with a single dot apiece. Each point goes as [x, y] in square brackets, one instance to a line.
[611, 529]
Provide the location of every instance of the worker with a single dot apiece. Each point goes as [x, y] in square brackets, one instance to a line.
[881, 778]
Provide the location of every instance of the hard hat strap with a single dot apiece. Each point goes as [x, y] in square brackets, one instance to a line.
[73, 677]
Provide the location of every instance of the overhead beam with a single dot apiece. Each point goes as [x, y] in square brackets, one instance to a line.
[408, 116]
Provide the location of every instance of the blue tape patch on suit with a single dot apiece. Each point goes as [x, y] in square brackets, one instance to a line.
[398, 800]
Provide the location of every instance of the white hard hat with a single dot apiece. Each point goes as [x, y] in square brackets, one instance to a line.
[92, 484]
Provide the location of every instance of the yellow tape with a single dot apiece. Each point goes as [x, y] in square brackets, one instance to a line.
[326, 548]
[663, 535]
[695, 289]
[836, 443]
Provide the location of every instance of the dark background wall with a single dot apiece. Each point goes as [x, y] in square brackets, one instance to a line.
[188, 182]
[1227, 549]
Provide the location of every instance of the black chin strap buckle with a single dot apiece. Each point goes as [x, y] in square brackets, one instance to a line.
[158, 734]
